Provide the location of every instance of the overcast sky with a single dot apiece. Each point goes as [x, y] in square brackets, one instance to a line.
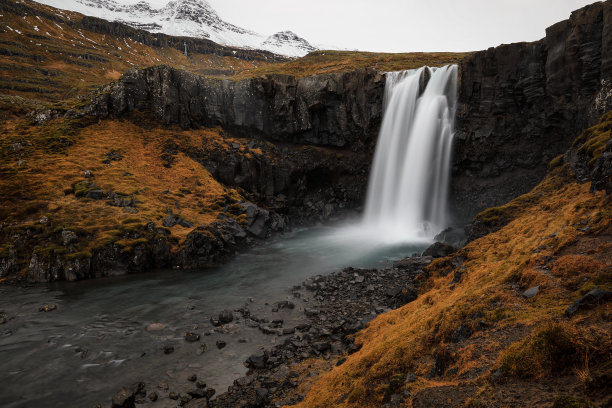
[400, 25]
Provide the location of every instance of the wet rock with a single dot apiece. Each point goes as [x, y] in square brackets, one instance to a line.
[531, 292]
[47, 308]
[309, 312]
[589, 301]
[257, 361]
[126, 397]
[168, 349]
[261, 396]
[221, 344]
[68, 237]
[155, 327]
[192, 337]
[196, 393]
[225, 317]
[439, 250]
[197, 403]
[285, 304]
[455, 237]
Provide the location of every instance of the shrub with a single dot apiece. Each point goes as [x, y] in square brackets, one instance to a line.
[573, 269]
[553, 348]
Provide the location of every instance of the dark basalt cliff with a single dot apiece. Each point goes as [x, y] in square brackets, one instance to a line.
[328, 110]
[521, 105]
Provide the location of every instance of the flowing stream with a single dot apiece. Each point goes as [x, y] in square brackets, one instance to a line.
[99, 338]
[108, 333]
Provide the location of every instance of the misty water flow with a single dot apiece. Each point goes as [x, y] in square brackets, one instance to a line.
[408, 186]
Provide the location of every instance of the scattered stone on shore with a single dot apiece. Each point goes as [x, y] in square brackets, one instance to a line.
[47, 308]
[192, 337]
[156, 327]
[221, 344]
[126, 396]
[339, 305]
[168, 349]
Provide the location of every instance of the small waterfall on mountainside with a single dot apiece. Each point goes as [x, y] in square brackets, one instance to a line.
[408, 185]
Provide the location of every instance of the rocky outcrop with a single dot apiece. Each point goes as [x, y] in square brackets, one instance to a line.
[329, 110]
[306, 183]
[521, 105]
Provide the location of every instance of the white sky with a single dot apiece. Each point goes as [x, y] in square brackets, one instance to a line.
[399, 25]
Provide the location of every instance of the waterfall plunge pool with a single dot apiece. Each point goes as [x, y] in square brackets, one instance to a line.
[100, 338]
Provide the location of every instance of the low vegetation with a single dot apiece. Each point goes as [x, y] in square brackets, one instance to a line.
[328, 62]
[557, 238]
[104, 181]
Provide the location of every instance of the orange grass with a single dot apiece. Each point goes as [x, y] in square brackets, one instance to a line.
[397, 342]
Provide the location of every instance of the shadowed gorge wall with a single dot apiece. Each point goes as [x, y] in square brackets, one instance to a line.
[521, 105]
[329, 110]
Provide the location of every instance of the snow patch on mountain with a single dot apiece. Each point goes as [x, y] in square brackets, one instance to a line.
[287, 43]
[191, 18]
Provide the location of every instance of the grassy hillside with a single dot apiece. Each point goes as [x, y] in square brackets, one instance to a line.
[51, 54]
[472, 339]
[326, 62]
[49, 170]
[47, 54]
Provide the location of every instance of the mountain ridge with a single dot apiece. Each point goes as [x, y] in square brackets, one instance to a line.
[188, 18]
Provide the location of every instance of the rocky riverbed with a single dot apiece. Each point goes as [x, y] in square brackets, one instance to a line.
[315, 319]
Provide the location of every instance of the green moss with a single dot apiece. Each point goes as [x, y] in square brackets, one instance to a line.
[83, 187]
[572, 402]
[556, 162]
[5, 250]
[130, 243]
[79, 255]
[551, 349]
[131, 220]
[47, 252]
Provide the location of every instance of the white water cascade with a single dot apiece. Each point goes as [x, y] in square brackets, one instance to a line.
[408, 185]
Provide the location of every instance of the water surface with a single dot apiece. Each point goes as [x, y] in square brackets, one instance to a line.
[97, 340]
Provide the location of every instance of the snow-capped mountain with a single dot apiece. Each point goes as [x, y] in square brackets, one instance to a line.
[192, 18]
[287, 42]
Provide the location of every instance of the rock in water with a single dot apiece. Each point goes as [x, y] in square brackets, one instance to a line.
[225, 317]
[439, 250]
[192, 337]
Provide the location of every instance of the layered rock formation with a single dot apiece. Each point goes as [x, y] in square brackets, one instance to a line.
[520, 105]
[337, 110]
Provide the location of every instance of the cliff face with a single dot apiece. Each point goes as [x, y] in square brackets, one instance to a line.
[520, 105]
[328, 110]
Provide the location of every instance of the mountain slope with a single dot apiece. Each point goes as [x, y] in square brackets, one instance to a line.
[475, 337]
[190, 18]
[51, 54]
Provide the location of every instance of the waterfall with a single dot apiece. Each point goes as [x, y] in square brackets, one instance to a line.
[408, 185]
